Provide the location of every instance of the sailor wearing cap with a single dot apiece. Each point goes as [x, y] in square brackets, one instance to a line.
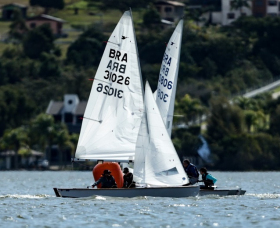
[106, 180]
[128, 179]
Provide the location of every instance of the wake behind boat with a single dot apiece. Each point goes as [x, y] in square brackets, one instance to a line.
[118, 127]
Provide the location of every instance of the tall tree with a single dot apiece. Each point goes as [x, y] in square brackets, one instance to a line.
[17, 27]
[64, 143]
[43, 132]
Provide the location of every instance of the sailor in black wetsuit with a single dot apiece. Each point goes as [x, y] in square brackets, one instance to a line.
[107, 180]
[191, 171]
[128, 179]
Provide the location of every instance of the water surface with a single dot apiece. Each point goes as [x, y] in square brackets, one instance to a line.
[27, 200]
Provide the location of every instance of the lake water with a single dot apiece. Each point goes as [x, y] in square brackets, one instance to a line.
[27, 200]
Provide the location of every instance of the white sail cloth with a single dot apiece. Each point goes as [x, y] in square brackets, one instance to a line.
[156, 160]
[166, 90]
[115, 107]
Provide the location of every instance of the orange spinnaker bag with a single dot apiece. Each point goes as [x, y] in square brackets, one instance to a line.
[115, 169]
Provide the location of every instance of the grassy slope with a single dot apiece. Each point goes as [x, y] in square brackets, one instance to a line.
[85, 17]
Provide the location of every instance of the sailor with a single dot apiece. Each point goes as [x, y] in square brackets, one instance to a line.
[207, 178]
[191, 171]
[106, 180]
[128, 179]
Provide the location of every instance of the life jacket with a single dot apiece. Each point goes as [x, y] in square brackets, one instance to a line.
[209, 177]
[191, 171]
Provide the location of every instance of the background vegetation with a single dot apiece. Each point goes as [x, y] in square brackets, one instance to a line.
[217, 64]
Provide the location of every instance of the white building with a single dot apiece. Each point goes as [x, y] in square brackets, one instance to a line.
[69, 111]
[228, 15]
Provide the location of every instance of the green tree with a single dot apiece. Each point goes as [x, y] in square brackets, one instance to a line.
[17, 27]
[15, 139]
[151, 17]
[15, 107]
[87, 50]
[50, 67]
[37, 41]
[250, 119]
[43, 132]
[190, 108]
[47, 4]
[225, 120]
[64, 143]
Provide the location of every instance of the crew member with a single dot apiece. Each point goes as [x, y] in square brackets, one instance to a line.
[106, 180]
[191, 171]
[207, 178]
[128, 179]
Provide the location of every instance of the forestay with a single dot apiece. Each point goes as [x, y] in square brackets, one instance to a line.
[166, 90]
[115, 107]
[156, 160]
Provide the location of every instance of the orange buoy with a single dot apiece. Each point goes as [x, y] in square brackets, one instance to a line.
[115, 169]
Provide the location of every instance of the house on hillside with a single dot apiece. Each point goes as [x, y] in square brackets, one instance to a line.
[55, 23]
[8, 10]
[262, 8]
[70, 111]
[170, 10]
[225, 14]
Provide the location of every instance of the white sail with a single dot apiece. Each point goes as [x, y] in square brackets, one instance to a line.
[166, 90]
[115, 107]
[156, 160]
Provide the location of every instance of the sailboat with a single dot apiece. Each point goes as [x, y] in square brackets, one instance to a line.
[117, 126]
[166, 92]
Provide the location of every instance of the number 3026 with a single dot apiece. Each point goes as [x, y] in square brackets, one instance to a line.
[109, 91]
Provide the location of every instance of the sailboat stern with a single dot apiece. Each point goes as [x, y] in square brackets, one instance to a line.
[57, 194]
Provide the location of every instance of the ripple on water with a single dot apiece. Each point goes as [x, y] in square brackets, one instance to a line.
[266, 196]
[17, 196]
